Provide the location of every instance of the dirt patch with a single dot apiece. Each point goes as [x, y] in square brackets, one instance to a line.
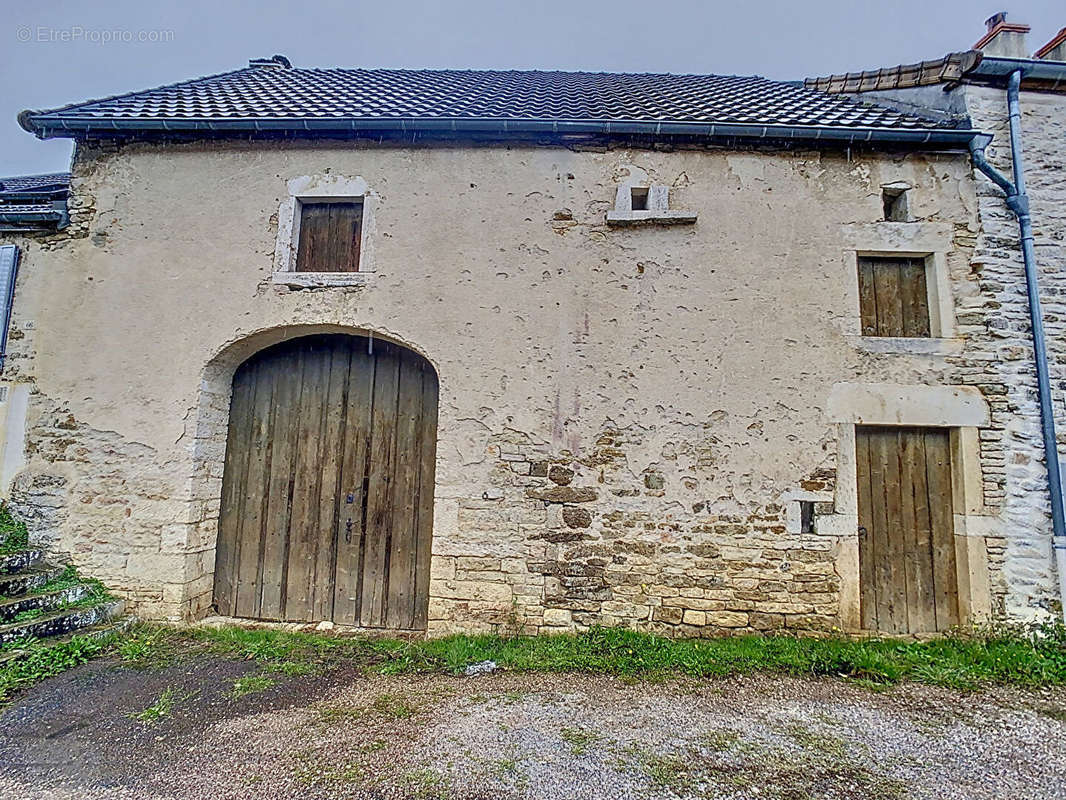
[93, 733]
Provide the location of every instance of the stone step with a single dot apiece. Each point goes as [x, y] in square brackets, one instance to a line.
[20, 560]
[57, 599]
[30, 579]
[61, 622]
[117, 624]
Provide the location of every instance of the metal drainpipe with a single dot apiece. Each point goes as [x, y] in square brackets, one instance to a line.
[1018, 201]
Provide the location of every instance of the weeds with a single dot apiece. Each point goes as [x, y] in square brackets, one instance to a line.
[964, 661]
[250, 684]
[163, 707]
[13, 534]
[579, 739]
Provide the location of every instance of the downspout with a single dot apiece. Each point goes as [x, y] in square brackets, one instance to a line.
[1018, 201]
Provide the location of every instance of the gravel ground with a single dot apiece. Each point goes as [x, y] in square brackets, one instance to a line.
[550, 737]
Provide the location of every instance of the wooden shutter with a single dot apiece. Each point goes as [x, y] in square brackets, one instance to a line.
[893, 298]
[329, 237]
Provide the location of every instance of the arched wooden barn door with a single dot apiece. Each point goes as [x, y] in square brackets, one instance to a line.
[327, 494]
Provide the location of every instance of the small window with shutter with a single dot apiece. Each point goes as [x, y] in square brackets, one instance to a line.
[893, 297]
[330, 235]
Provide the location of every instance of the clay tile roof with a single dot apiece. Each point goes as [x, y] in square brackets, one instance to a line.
[950, 68]
[320, 98]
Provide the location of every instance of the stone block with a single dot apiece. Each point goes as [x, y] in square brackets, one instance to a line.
[576, 517]
[442, 568]
[564, 494]
[697, 618]
[557, 617]
[671, 616]
[728, 619]
[560, 475]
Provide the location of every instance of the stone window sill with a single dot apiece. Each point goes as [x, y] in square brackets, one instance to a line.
[654, 217]
[321, 280]
[907, 346]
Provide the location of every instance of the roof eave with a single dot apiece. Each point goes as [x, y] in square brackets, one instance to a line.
[56, 126]
[1032, 68]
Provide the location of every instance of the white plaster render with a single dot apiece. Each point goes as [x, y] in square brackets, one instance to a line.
[623, 413]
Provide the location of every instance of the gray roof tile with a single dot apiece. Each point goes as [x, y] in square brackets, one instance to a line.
[275, 93]
[35, 183]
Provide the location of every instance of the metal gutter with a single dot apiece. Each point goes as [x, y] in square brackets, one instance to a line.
[58, 126]
[1033, 69]
[1018, 201]
[55, 218]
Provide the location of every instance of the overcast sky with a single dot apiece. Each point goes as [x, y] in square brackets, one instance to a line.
[61, 52]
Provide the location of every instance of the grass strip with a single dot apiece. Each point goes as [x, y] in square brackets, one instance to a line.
[1032, 656]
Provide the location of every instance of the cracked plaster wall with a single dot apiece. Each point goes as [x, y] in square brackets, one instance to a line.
[623, 413]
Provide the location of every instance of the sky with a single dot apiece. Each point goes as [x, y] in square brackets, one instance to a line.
[56, 52]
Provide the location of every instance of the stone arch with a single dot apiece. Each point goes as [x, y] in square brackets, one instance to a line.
[209, 443]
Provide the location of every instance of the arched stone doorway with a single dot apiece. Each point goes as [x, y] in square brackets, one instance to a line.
[327, 492]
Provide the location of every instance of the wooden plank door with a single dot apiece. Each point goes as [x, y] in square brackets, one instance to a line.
[907, 571]
[327, 494]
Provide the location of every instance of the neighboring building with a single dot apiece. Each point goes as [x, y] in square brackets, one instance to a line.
[516, 350]
[972, 85]
[33, 208]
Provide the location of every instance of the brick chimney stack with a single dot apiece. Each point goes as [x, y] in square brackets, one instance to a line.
[1055, 50]
[1003, 39]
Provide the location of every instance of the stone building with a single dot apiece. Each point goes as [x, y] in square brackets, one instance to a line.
[972, 85]
[518, 351]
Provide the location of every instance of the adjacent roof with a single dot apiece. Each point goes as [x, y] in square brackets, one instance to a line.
[948, 69]
[34, 202]
[969, 66]
[34, 183]
[269, 96]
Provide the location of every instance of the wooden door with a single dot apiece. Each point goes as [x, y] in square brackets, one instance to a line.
[327, 494]
[907, 578]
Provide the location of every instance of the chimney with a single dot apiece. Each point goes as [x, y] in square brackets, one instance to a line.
[1055, 50]
[274, 62]
[1003, 39]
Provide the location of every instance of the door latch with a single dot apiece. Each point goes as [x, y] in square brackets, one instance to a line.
[862, 531]
[348, 531]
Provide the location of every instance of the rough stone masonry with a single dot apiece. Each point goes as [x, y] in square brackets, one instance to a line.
[628, 416]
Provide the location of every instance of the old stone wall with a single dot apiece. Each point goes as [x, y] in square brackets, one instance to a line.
[626, 415]
[1023, 567]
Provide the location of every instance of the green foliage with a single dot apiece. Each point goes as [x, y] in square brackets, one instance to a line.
[395, 706]
[150, 646]
[96, 593]
[39, 661]
[249, 684]
[67, 579]
[13, 534]
[579, 739]
[1032, 656]
[163, 707]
